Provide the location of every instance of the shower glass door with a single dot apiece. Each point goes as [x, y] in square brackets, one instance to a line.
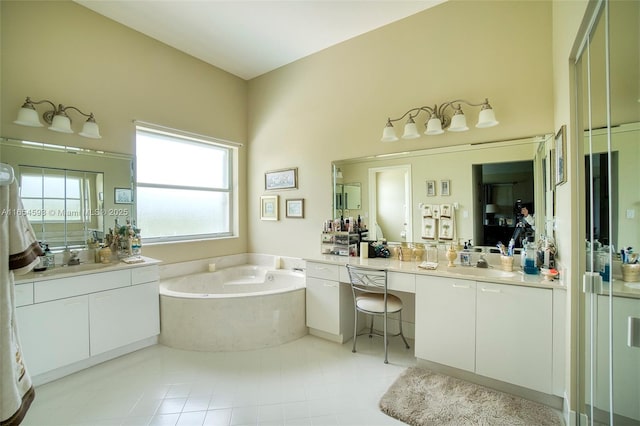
[608, 70]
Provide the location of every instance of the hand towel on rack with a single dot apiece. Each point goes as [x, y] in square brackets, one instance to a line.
[19, 251]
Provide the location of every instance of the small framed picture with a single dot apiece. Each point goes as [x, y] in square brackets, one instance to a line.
[295, 208]
[269, 207]
[123, 196]
[281, 179]
[561, 148]
[445, 187]
[431, 188]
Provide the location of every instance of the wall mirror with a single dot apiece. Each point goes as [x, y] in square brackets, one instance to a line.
[458, 176]
[347, 197]
[69, 193]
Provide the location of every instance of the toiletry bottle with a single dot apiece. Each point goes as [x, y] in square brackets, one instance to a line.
[51, 259]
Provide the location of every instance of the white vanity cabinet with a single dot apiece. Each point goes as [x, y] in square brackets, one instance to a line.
[119, 317]
[73, 322]
[329, 303]
[54, 334]
[514, 334]
[499, 331]
[445, 321]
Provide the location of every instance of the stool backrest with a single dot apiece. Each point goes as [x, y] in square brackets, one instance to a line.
[367, 280]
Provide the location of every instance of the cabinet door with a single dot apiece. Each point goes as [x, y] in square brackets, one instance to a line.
[123, 316]
[445, 321]
[54, 334]
[514, 335]
[626, 359]
[323, 305]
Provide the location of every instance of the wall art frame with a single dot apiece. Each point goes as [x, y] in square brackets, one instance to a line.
[431, 188]
[269, 207]
[295, 208]
[123, 196]
[445, 188]
[281, 179]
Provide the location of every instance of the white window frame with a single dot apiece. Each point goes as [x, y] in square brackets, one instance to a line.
[232, 179]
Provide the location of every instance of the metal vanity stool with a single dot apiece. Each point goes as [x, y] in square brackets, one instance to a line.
[371, 297]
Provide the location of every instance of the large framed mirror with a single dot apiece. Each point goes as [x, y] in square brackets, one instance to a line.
[483, 183]
[69, 193]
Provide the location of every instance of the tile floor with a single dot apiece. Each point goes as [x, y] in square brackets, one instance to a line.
[306, 382]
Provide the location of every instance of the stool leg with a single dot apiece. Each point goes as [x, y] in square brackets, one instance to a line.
[401, 334]
[355, 329]
[386, 346]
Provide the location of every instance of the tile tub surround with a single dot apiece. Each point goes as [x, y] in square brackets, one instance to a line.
[232, 322]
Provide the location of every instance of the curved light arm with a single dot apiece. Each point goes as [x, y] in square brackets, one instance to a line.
[417, 110]
[28, 103]
[64, 108]
[444, 106]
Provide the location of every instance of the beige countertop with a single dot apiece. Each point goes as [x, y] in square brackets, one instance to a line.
[83, 268]
[493, 274]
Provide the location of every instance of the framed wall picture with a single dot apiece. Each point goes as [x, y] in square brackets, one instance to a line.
[123, 196]
[431, 188]
[281, 179]
[561, 152]
[295, 208]
[445, 187]
[269, 207]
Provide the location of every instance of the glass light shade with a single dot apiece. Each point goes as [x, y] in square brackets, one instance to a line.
[410, 130]
[389, 134]
[458, 123]
[487, 118]
[28, 117]
[434, 127]
[90, 130]
[492, 208]
[61, 123]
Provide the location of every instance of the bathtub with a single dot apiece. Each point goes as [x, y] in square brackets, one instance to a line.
[237, 308]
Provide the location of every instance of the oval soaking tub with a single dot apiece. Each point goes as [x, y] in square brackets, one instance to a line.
[238, 308]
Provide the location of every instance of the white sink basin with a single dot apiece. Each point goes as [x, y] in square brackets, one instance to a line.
[482, 272]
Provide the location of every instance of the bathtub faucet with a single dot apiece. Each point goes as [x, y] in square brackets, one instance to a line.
[298, 269]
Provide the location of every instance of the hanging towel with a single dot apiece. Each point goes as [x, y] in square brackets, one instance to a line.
[19, 251]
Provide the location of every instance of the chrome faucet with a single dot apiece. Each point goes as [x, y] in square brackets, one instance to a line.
[482, 262]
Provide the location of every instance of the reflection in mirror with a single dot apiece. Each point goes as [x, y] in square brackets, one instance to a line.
[506, 189]
[68, 192]
[62, 205]
[459, 168]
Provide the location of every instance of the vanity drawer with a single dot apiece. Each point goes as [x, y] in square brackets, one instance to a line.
[24, 294]
[402, 282]
[323, 271]
[145, 274]
[83, 284]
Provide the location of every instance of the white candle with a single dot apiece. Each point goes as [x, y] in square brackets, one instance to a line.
[364, 250]
[276, 262]
[212, 267]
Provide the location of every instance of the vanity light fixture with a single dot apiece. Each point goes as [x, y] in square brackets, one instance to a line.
[438, 119]
[57, 118]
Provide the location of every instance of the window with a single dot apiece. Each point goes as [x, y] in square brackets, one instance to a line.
[184, 186]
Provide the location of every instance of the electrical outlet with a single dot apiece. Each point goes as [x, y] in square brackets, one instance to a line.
[631, 213]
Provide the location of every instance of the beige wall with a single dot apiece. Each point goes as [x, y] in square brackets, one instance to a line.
[334, 104]
[66, 53]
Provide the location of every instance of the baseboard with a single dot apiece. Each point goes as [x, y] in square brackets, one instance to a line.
[58, 373]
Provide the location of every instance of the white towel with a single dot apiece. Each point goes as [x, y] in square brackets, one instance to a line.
[19, 251]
